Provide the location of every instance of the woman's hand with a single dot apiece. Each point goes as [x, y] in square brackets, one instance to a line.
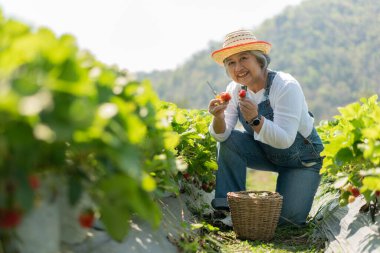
[248, 109]
[216, 107]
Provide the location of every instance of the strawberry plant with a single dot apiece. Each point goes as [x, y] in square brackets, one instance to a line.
[352, 150]
[196, 148]
[65, 113]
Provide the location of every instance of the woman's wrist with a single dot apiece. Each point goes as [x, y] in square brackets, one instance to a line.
[254, 121]
[257, 128]
[219, 125]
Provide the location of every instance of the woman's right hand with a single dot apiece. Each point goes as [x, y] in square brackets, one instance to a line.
[216, 107]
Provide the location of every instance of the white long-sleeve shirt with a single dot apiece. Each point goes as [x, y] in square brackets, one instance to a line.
[289, 109]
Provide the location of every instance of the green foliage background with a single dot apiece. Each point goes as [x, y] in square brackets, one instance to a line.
[352, 149]
[330, 46]
[64, 113]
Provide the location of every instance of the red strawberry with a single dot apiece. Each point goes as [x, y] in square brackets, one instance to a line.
[9, 218]
[242, 93]
[186, 176]
[355, 192]
[225, 96]
[86, 219]
[377, 193]
[34, 182]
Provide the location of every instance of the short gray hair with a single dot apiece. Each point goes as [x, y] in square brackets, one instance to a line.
[263, 59]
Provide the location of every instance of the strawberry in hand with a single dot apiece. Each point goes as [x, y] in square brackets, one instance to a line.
[243, 91]
[225, 96]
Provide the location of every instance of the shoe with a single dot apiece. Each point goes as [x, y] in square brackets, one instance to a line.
[224, 224]
[220, 204]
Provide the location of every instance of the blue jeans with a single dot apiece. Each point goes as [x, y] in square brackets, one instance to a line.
[297, 185]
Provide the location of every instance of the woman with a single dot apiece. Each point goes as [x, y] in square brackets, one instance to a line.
[278, 131]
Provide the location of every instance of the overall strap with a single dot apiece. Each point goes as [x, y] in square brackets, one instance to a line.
[271, 75]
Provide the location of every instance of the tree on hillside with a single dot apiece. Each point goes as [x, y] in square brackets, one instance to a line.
[330, 46]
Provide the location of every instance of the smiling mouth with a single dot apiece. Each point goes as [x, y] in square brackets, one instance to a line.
[242, 75]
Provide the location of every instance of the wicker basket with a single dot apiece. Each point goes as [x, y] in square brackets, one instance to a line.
[255, 214]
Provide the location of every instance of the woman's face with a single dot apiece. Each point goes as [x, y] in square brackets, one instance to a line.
[244, 68]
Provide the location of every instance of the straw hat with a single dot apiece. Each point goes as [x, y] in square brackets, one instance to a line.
[239, 41]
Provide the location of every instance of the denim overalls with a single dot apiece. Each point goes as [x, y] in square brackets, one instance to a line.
[297, 166]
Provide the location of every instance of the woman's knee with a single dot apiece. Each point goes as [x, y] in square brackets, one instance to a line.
[298, 188]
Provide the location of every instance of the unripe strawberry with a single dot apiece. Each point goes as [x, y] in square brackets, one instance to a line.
[343, 202]
[351, 199]
[355, 191]
[347, 188]
[242, 93]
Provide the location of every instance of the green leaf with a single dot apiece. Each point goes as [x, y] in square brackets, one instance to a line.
[24, 194]
[136, 129]
[372, 183]
[148, 183]
[180, 118]
[75, 190]
[350, 111]
[211, 165]
[195, 226]
[115, 220]
[171, 140]
[140, 202]
[344, 156]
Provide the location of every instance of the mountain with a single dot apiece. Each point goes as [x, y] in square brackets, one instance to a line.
[330, 46]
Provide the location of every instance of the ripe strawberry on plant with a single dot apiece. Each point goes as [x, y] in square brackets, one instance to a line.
[205, 187]
[186, 176]
[34, 182]
[86, 218]
[355, 191]
[10, 218]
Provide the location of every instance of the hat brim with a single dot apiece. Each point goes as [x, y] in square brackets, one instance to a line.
[220, 55]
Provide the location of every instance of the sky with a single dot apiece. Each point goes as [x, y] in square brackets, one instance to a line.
[144, 35]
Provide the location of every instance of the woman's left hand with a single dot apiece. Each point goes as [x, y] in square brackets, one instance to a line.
[248, 109]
